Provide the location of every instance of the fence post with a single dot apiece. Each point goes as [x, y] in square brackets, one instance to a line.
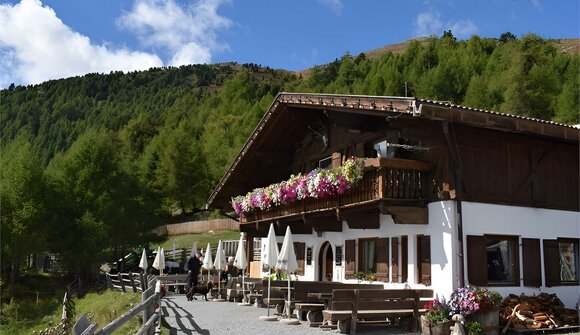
[121, 281]
[144, 285]
[132, 282]
[149, 310]
[109, 281]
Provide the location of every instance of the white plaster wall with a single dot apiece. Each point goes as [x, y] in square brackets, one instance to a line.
[441, 229]
[479, 219]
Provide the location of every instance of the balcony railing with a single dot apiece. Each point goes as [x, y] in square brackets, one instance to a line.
[383, 179]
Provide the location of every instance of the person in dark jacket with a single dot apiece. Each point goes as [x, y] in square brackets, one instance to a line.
[194, 266]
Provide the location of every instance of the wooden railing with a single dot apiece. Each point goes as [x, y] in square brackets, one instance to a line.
[150, 302]
[383, 179]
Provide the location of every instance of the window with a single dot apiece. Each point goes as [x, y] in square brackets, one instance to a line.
[561, 261]
[367, 255]
[496, 253]
[500, 260]
[568, 261]
[325, 163]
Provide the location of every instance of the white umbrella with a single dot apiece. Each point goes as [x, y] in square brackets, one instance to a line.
[219, 264]
[287, 260]
[143, 263]
[270, 258]
[207, 261]
[193, 250]
[241, 263]
[159, 262]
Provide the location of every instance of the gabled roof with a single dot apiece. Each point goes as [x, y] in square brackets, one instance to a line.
[285, 128]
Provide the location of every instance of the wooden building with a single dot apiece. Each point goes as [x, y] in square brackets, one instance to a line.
[450, 195]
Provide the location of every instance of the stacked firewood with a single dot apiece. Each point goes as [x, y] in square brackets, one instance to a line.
[535, 312]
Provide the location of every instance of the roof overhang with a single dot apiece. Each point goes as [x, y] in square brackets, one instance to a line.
[272, 144]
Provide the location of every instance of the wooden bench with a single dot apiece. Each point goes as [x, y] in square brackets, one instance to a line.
[310, 308]
[353, 306]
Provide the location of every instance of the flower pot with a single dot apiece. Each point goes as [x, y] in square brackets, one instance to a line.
[489, 320]
[435, 328]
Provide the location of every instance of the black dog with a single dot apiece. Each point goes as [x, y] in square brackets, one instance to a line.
[200, 289]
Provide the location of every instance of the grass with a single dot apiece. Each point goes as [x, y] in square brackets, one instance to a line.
[38, 302]
[201, 240]
[106, 307]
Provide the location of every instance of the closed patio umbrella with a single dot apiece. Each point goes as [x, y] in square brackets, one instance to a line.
[270, 258]
[287, 262]
[143, 263]
[159, 262]
[241, 263]
[219, 264]
[207, 261]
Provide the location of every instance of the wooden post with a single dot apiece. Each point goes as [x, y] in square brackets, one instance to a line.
[110, 282]
[336, 160]
[149, 310]
[143, 280]
[132, 282]
[121, 282]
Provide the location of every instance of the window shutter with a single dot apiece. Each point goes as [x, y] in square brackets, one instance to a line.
[424, 259]
[349, 258]
[552, 263]
[299, 250]
[404, 258]
[531, 258]
[476, 260]
[395, 259]
[383, 259]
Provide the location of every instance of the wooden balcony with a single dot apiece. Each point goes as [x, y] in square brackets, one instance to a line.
[395, 181]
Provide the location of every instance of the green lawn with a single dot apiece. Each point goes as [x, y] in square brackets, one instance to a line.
[187, 240]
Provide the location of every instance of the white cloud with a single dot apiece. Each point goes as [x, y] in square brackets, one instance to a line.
[35, 45]
[537, 4]
[186, 34]
[429, 23]
[335, 5]
[463, 28]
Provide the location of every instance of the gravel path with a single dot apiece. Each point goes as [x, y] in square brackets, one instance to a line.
[227, 318]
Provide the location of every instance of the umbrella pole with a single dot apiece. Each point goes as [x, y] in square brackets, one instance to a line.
[288, 310]
[244, 285]
[269, 278]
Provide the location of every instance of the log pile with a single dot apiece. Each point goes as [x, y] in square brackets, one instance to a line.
[535, 312]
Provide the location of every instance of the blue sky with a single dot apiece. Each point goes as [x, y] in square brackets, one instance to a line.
[50, 39]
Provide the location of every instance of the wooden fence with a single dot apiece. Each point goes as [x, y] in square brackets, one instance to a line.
[151, 300]
[196, 227]
[136, 282]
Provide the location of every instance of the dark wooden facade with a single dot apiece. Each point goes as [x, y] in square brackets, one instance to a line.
[494, 158]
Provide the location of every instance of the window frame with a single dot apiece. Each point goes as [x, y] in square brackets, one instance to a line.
[576, 243]
[477, 252]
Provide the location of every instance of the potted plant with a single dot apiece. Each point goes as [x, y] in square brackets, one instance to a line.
[436, 320]
[477, 305]
[488, 314]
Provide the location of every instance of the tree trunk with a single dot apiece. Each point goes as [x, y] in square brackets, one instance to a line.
[14, 274]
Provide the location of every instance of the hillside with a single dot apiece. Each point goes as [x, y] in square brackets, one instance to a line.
[87, 161]
[568, 45]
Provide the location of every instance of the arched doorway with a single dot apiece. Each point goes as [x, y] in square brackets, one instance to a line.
[325, 262]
